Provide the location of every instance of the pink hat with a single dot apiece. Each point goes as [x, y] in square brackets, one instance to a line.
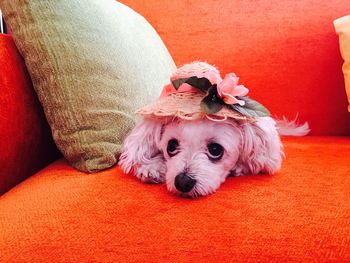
[197, 91]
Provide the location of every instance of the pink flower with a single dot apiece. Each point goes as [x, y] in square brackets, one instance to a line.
[228, 90]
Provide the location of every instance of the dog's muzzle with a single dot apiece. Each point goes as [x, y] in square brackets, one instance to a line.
[184, 183]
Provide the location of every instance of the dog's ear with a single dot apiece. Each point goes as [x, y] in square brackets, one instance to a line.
[261, 148]
[142, 144]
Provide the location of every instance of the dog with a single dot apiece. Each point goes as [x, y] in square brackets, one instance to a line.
[192, 150]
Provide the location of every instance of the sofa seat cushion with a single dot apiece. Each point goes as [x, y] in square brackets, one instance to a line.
[300, 214]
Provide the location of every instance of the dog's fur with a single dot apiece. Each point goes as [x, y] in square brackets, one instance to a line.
[248, 148]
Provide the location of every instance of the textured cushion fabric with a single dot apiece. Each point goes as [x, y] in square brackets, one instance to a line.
[93, 63]
[284, 51]
[26, 145]
[342, 27]
[301, 214]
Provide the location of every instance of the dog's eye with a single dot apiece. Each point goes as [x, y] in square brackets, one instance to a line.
[172, 147]
[216, 151]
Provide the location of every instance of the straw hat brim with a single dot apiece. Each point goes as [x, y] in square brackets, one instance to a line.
[185, 105]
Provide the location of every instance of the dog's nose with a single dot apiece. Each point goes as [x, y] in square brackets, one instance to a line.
[184, 183]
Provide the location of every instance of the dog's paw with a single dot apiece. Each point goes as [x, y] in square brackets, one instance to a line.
[238, 171]
[152, 172]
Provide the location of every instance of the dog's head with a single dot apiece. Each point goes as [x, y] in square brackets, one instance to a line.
[195, 157]
[199, 155]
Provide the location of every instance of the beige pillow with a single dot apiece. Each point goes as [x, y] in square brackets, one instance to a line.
[342, 27]
[92, 63]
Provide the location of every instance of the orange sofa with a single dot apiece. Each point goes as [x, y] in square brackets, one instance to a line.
[287, 53]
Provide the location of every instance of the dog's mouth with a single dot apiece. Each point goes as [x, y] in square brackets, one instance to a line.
[188, 195]
[185, 195]
[194, 193]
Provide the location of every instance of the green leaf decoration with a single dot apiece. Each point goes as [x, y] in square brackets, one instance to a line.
[209, 107]
[251, 108]
[256, 106]
[246, 112]
[178, 82]
[212, 103]
[202, 84]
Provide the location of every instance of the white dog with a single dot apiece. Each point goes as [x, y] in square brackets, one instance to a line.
[193, 151]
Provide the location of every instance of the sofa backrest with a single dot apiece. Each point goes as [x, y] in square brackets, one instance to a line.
[285, 51]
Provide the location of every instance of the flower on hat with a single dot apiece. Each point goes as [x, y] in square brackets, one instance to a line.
[228, 90]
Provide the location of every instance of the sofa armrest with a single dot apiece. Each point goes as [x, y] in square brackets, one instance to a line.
[26, 145]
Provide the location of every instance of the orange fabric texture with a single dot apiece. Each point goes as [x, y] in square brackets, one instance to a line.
[301, 214]
[286, 52]
[25, 140]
